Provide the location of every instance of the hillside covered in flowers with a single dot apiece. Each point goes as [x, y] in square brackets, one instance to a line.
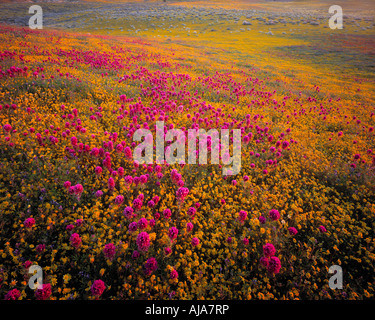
[103, 226]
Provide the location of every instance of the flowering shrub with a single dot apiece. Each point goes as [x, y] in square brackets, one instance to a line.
[103, 226]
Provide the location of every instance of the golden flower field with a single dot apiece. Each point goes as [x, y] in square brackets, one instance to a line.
[102, 226]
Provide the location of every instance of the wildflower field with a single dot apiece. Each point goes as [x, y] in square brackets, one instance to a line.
[103, 226]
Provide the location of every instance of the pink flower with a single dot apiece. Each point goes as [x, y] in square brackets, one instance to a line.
[111, 183]
[78, 189]
[40, 248]
[242, 216]
[159, 175]
[135, 254]
[128, 152]
[173, 274]
[143, 179]
[151, 204]
[97, 288]
[119, 199]
[74, 141]
[128, 212]
[191, 212]
[142, 223]
[167, 213]
[194, 241]
[98, 170]
[180, 183]
[274, 265]
[152, 222]
[274, 214]
[75, 240]
[98, 193]
[181, 193]
[322, 229]
[141, 196]
[29, 223]
[264, 261]
[292, 231]
[133, 226]
[269, 250]
[172, 233]
[71, 190]
[128, 180]
[119, 148]
[156, 199]
[189, 227]
[7, 127]
[285, 144]
[120, 172]
[136, 180]
[44, 292]
[167, 251]
[67, 184]
[69, 227]
[262, 219]
[94, 152]
[107, 162]
[150, 266]
[137, 204]
[143, 241]
[109, 251]
[13, 294]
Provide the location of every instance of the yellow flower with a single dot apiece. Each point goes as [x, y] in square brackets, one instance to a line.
[53, 281]
[66, 290]
[66, 278]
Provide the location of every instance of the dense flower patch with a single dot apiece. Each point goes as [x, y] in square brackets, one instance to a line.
[103, 226]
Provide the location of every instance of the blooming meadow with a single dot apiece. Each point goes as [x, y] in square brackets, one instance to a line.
[103, 226]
